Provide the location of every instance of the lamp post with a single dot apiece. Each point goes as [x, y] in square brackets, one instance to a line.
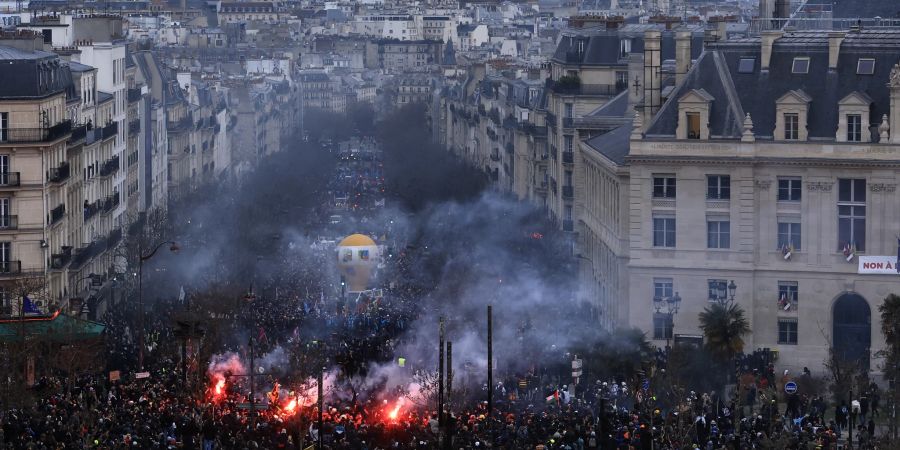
[173, 247]
[668, 306]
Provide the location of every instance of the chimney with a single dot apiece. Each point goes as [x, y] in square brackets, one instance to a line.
[768, 39]
[682, 55]
[652, 81]
[635, 78]
[834, 48]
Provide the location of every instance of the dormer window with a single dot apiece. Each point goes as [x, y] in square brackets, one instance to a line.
[693, 115]
[865, 66]
[853, 118]
[791, 111]
[746, 65]
[801, 65]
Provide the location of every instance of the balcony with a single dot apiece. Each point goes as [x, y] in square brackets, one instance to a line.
[99, 134]
[9, 222]
[110, 166]
[78, 133]
[88, 252]
[568, 192]
[568, 157]
[61, 260]
[562, 88]
[9, 179]
[34, 135]
[568, 122]
[110, 203]
[56, 214]
[10, 268]
[134, 95]
[91, 209]
[59, 174]
[182, 124]
[568, 225]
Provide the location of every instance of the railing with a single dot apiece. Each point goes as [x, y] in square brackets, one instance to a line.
[9, 222]
[56, 214]
[180, 125]
[10, 267]
[78, 133]
[91, 209]
[110, 166]
[134, 95]
[568, 157]
[568, 225]
[587, 89]
[110, 203]
[106, 132]
[568, 191]
[59, 174]
[568, 122]
[60, 260]
[21, 135]
[86, 253]
[8, 179]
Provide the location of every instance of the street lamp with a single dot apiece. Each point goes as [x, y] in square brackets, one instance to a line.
[173, 247]
[668, 306]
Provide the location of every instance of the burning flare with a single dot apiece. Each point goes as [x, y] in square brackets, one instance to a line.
[394, 412]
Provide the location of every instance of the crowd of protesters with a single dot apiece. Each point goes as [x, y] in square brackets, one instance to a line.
[153, 407]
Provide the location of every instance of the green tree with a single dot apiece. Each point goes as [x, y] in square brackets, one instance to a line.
[724, 327]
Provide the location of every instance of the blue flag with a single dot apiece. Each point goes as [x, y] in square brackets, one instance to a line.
[28, 306]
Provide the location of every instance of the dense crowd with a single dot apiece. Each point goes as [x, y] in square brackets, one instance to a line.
[297, 309]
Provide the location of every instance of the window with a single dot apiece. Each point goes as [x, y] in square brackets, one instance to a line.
[4, 126]
[568, 111]
[693, 123]
[801, 65]
[662, 288]
[568, 178]
[789, 234]
[664, 186]
[48, 36]
[718, 290]
[568, 213]
[718, 187]
[852, 213]
[664, 232]
[718, 234]
[865, 66]
[788, 292]
[791, 126]
[662, 326]
[789, 189]
[5, 257]
[746, 65]
[569, 142]
[624, 47]
[854, 128]
[787, 331]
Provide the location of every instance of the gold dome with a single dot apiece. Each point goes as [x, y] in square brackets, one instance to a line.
[356, 240]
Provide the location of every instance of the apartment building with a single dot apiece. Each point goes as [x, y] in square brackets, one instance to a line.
[768, 177]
